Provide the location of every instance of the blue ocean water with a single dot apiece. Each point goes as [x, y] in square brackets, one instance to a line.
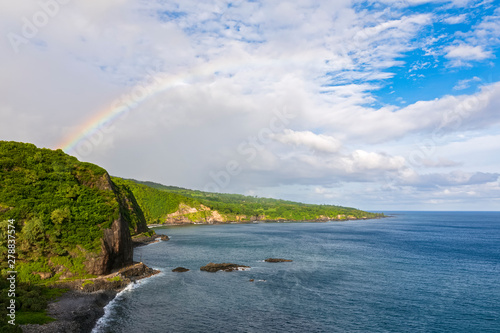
[413, 272]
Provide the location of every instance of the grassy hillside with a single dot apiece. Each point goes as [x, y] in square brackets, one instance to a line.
[157, 201]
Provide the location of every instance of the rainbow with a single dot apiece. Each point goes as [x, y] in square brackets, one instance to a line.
[137, 95]
[161, 83]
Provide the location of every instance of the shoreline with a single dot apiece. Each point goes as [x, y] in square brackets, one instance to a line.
[80, 308]
[325, 220]
[74, 311]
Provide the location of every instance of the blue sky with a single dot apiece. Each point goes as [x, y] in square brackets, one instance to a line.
[380, 105]
[428, 73]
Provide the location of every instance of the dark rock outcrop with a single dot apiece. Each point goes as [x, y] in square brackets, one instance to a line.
[226, 267]
[104, 284]
[115, 281]
[146, 240]
[180, 270]
[116, 249]
[137, 271]
[116, 244]
[277, 260]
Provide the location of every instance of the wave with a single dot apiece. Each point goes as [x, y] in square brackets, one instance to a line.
[244, 268]
[109, 309]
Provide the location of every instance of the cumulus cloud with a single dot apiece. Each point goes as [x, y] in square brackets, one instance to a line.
[361, 161]
[437, 117]
[316, 142]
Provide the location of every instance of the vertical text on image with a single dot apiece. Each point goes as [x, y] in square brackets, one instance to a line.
[11, 262]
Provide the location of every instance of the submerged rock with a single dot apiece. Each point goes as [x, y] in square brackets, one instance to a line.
[277, 260]
[226, 267]
[180, 270]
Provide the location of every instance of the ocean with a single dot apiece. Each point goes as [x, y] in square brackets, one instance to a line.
[411, 272]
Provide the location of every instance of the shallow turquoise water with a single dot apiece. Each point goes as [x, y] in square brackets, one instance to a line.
[414, 272]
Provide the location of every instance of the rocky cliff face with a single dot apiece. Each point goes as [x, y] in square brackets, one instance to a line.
[201, 214]
[116, 250]
[116, 243]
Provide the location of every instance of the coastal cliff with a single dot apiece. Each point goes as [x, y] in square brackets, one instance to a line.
[71, 220]
[73, 229]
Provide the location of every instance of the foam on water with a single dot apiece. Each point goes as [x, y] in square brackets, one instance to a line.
[110, 307]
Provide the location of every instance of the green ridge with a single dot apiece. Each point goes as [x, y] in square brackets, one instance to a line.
[157, 201]
[61, 207]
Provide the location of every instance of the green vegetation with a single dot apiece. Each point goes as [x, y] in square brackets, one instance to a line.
[157, 201]
[155, 204]
[87, 282]
[61, 207]
[114, 279]
[45, 192]
[31, 302]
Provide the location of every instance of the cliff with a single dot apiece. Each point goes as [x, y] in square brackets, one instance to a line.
[71, 220]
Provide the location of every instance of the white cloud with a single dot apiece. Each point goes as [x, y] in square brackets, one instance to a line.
[467, 52]
[456, 19]
[476, 44]
[442, 115]
[362, 161]
[464, 84]
[316, 142]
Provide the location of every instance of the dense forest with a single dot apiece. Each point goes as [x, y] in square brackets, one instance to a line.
[55, 210]
[60, 207]
[157, 201]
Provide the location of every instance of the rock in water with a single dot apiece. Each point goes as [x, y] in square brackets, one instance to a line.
[226, 267]
[277, 260]
[180, 270]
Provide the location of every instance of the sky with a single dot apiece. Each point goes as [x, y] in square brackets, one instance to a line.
[379, 105]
